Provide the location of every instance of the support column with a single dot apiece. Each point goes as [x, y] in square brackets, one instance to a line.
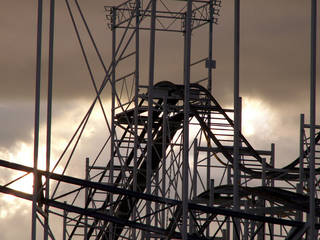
[301, 155]
[150, 108]
[313, 61]
[236, 174]
[164, 165]
[272, 182]
[49, 116]
[210, 60]
[209, 65]
[64, 232]
[136, 104]
[261, 233]
[113, 97]
[229, 182]
[194, 181]
[237, 120]
[87, 174]
[113, 89]
[246, 222]
[186, 108]
[36, 182]
[299, 215]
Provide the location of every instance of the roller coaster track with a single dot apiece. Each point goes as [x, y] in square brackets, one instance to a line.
[128, 195]
[201, 102]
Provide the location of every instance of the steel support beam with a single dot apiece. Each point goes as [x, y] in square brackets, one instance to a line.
[237, 115]
[191, 206]
[236, 144]
[186, 109]
[113, 106]
[136, 106]
[150, 107]
[49, 114]
[36, 182]
[313, 63]
[210, 67]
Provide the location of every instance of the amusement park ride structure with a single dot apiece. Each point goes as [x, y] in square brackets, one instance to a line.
[174, 164]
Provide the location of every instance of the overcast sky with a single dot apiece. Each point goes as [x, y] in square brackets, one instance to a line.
[274, 76]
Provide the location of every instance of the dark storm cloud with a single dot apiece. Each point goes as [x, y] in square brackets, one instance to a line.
[18, 50]
[274, 55]
[274, 50]
[274, 58]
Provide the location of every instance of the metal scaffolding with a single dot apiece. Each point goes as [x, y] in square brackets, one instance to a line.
[174, 164]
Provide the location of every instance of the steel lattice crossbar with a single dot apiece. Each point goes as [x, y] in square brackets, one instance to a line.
[173, 163]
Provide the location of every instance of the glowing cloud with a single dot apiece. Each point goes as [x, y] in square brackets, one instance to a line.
[256, 116]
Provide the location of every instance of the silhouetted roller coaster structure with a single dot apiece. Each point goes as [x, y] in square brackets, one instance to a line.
[174, 164]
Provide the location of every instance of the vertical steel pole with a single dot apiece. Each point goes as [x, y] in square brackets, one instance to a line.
[246, 223]
[236, 158]
[150, 107]
[211, 191]
[301, 170]
[261, 234]
[113, 96]
[113, 89]
[272, 163]
[195, 168]
[211, 201]
[136, 103]
[210, 47]
[87, 172]
[164, 165]
[208, 172]
[186, 113]
[209, 66]
[236, 109]
[301, 156]
[36, 182]
[156, 215]
[194, 180]
[313, 64]
[64, 232]
[229, 182]
[263, 178]
[49, 115]
[272, 160]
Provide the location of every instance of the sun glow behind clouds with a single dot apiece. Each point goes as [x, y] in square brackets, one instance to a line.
[256, 117]
[23, 154]
[64, 125]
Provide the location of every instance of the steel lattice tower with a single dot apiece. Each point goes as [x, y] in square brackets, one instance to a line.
[174, 164]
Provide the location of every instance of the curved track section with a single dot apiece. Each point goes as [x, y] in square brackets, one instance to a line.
[202, 104]
[288, 172]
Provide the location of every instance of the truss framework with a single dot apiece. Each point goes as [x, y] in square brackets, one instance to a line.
[167, 166]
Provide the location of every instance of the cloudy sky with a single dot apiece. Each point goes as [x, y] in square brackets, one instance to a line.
[274, 75]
